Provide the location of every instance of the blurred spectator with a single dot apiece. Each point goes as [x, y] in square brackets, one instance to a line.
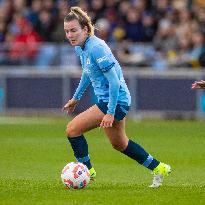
[202, 59]
[123, 9]
[33, 13]
[160, 33]
[133, 26]
[149, 27]
[97, 9]
[199, 3]
[190, 52]
[129, 54]
[24, 45]
[178, 58]
[179, 5]
[160, 8]
[58, 34]
[111, 17]
[165, 38]
[46, 25]
[197, 50]
[82, 4]
[103, 29]
[6, 11]
[186, 24]
[20, 6]
[50, 6]
[201, 19]
[140, 5]
[2, 30]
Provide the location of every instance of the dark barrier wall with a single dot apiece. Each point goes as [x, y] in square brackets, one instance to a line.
[39, 92]
[165, 94]
[149, 94]
[33, 92]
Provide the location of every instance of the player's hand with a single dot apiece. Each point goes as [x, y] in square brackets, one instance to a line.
[69, 107]
[107, 121]
[198, 85]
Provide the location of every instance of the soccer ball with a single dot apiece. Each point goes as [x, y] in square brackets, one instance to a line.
[75, 175]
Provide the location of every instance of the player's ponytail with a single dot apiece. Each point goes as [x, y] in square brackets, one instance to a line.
[82, 17]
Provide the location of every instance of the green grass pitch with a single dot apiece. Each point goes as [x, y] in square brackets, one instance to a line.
[33, 152]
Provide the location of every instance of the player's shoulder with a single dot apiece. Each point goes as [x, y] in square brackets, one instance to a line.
[93, 45]
[97, 45]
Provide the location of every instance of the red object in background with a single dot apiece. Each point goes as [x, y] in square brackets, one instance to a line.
[25, 44]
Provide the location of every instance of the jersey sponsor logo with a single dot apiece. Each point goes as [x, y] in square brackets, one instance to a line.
[99, 60]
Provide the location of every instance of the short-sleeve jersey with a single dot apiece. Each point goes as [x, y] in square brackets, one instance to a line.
[97, 58]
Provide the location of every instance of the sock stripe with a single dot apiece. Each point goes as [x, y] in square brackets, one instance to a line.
[148, 161]
[83, 159]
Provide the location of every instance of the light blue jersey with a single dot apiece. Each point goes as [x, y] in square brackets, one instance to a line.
[104, 72]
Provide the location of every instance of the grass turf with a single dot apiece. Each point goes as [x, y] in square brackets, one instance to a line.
[34, 150]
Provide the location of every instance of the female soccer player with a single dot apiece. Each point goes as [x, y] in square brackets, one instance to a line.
[198, 85]
[102, 70]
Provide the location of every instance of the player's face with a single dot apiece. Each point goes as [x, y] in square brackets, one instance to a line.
[75, 33]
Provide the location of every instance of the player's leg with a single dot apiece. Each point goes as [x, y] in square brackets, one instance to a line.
[85, 121]
[117, 136]
[119, 141]
[82, 123]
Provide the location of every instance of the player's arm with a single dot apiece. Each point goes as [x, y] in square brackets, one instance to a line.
[106, 64]
[114, 86]
[84, 81]
[83, 84]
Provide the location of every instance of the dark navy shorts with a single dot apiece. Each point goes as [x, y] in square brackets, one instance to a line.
[120, 111]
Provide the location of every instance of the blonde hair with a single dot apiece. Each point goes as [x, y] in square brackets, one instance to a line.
[82, 17]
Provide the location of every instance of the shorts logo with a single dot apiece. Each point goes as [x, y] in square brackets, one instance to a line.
[99, 60]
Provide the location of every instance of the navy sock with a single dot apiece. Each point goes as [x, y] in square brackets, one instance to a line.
[136, 152]
[80, 149]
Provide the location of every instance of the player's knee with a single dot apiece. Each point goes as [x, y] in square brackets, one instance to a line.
[118, 146]
[71, 130]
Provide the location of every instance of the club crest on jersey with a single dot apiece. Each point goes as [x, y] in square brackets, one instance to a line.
[86, 70]
[87, 61]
